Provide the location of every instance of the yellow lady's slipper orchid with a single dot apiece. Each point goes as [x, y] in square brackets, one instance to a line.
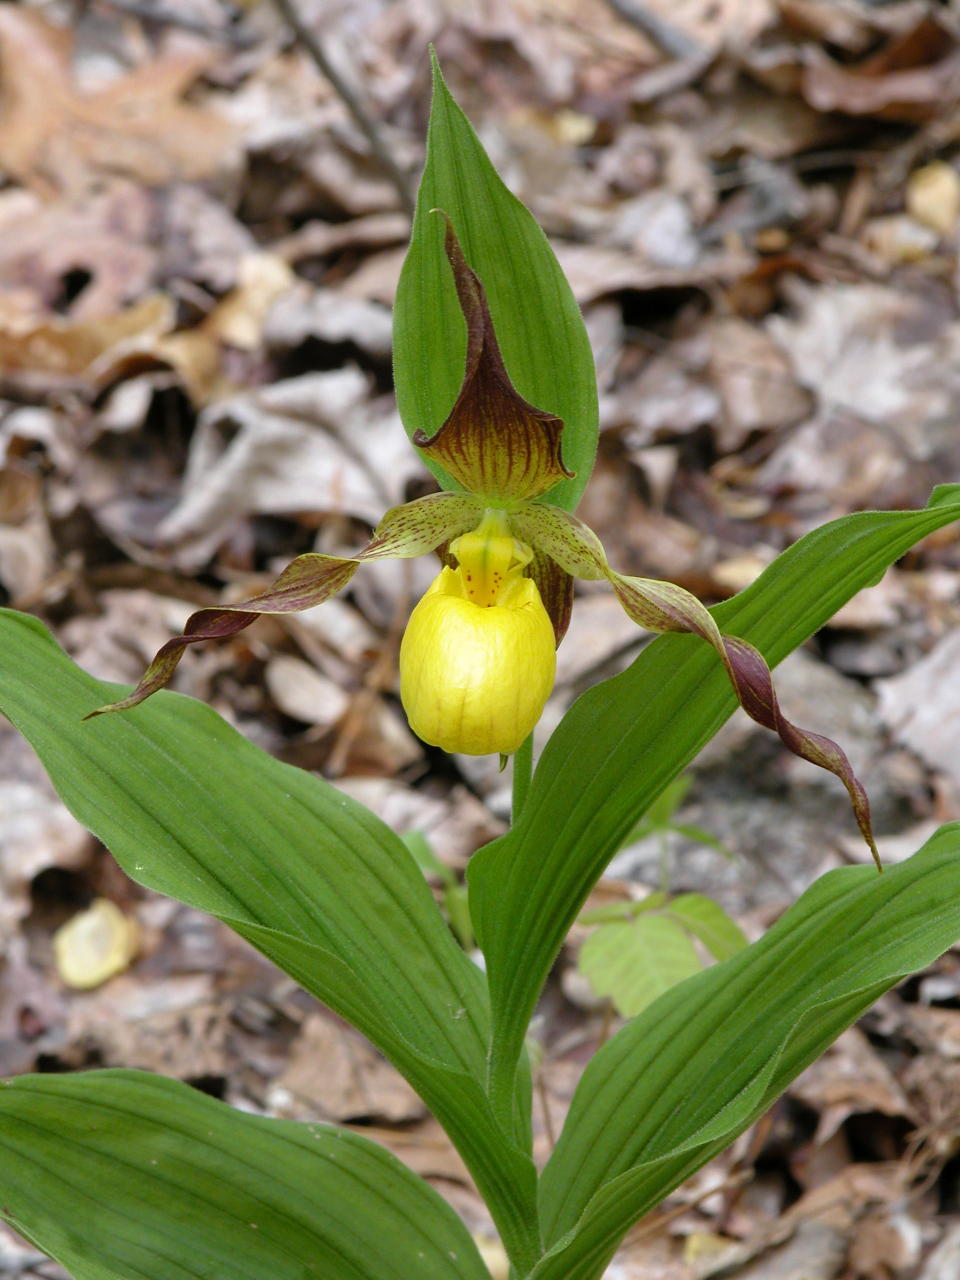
[477, 660]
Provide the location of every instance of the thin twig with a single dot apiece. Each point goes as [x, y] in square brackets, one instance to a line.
[670, 39]
[364, 120]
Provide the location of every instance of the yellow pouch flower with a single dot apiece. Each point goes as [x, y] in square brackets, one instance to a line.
[478, 660]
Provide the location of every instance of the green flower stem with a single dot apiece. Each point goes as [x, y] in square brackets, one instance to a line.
[522, 774]
[502, 1075]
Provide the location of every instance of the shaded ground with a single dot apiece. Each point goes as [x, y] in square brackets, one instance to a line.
[758, 205]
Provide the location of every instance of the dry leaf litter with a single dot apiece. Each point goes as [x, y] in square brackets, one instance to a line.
[758, 205]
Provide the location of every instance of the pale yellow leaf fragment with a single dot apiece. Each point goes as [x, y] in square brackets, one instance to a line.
[933, 197]
[94, 945]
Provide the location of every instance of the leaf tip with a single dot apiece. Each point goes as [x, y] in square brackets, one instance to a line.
[436, 72]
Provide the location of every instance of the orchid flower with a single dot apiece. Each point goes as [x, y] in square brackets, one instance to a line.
[477, 661]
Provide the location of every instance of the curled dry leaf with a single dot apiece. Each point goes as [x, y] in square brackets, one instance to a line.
[877, 353]
[174, 1024]
[277, 450]
[196, 353]
[51, 348]
[911, 80]
[324, 314]
[850, 1079]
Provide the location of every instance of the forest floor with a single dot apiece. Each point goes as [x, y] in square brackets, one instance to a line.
[757, 203]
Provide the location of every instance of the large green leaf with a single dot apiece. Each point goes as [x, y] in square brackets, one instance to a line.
[122, 1175]
[327, 891]
[622, 742]
[536, 317]
[678, 1083]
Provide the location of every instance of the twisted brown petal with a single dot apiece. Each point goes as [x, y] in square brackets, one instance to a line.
[494, 443]
[663, 606]
[556, 591]
[310, 579]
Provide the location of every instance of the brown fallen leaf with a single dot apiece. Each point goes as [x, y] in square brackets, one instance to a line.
[456, 824]
[318, 239]
[60, 348]
[913, 79]
[815, 1251]
[888, 1242]
[599, 632]
[171, 1025]
[325, 315]
[195, 353]
[379, 742]
[56, 138]
[935, 1030]
[758, 389]
[850, 1079]
[829, 23]
[334, 1074]
[26, 545]
[104, 237]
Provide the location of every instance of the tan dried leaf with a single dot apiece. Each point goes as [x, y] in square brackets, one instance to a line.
[67, 348]
[55, 137]
[333, 1073]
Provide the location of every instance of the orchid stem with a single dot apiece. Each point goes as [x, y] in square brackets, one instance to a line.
[522, 773]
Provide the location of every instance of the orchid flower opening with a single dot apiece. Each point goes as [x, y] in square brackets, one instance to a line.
[477, 661]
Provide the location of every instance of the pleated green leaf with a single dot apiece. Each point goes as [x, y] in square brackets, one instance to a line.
[623, 741]
[678, 1083]
[191, 809]
[122, 1175]
[536, 317]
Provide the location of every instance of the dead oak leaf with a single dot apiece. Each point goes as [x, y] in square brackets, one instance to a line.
[64, 349]
[53, 136]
